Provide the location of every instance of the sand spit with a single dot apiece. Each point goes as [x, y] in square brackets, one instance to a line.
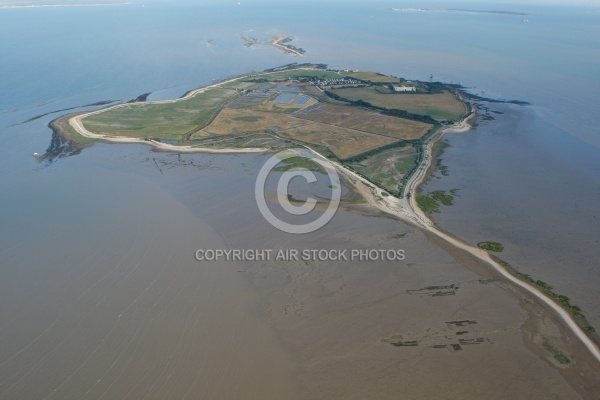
[65, 5]
[279, 42]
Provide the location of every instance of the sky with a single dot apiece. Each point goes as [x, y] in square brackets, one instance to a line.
[537, 2]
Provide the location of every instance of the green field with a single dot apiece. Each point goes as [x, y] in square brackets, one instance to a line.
[372, 77]
[168, 120]
[241, 121]
[440, 106]
[343, 142]
[399, 128]
[388, 167]
[284, 75]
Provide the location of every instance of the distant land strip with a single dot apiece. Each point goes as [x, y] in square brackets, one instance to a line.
[30, 5]
[458, 10]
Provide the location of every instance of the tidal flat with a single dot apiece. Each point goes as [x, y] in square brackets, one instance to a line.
[519, 187]
[147, 318]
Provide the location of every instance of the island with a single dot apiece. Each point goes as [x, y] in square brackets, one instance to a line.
[374, 125]
[459, 10]
[279, 42]
[378, 131]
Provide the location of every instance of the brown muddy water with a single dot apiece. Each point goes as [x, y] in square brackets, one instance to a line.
[523, 184]
[105, 300]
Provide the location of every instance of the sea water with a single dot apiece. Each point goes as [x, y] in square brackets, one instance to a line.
[528, 179]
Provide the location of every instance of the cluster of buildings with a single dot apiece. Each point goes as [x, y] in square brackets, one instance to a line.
[329, 82]
[405, 88]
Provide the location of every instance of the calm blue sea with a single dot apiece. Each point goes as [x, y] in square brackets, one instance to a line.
[529, 179]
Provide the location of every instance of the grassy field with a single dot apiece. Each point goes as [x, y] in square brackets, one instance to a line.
[319, 95]
[365, 120]
[288, 108]
[342, 142]
[323, 74]
[164, 120]
[295, 163]
[372, 77]
[398, 128]
[340, 115]
[388, 167]
[442, 106]
[240, 121]
[240, 84]
[284, 75]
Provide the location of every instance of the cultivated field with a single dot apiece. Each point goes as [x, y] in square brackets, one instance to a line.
[339, 115]
[441, 106]
[342, 142]
[288, 108]
[399, 128]
[242, 121]
[364, 120]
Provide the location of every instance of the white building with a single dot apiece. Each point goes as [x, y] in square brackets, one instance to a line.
[405, 88]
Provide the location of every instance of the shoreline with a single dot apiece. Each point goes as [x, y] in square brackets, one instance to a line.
[406, 209]
[397, 207]
[75, 120]
[429, 225]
